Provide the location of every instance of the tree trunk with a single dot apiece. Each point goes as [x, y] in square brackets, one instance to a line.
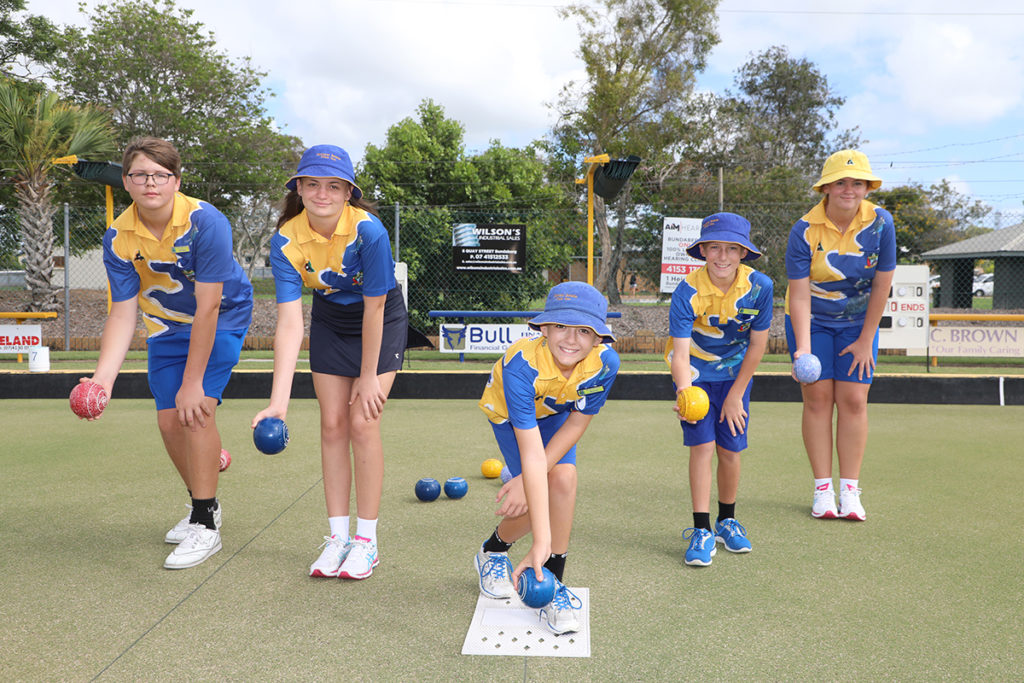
[615, 263]
[36, 213]
[605, 243]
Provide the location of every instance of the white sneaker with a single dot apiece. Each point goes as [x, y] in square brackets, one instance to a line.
[329, 562]
[850, 506]
[362, 558]
[560, 614]
[495, 570]
[824, 504]
[199, 544]
[180, 530]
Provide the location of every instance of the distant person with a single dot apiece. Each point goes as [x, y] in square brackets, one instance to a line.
[718, 322]
[540, 399]
[330, 240]
[840, 261]
[632, 284]
[171, 256]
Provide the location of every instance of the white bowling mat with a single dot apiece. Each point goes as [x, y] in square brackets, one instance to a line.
[508, 627]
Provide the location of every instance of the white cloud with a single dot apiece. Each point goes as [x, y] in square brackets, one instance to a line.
[951, 74]
[349, 70]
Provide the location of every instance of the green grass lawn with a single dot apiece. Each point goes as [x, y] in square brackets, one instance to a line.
[927, 589]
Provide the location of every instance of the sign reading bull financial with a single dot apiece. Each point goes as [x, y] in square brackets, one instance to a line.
[491, 246]
[481, 338]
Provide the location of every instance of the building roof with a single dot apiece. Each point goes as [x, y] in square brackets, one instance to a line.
[1007, 241]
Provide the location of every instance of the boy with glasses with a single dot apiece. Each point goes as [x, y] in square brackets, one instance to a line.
[171, 257]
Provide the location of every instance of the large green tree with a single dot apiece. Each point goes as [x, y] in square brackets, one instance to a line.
[784, 113]
[27, 41]
[34, 130]
[758, 149]
[424, 167]
[159, 72]
[641, 58]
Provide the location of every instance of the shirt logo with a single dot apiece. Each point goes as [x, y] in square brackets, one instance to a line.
[820, 248]
[309, 267]
[591, 390]
[139, 256]
[181, 250]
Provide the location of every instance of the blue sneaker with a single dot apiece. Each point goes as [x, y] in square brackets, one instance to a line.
[732, 535]
[495, 570]
[702, 547]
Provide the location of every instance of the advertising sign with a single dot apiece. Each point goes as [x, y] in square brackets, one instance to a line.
[489, 246]
[677, 234]
[481, 338]
[968, 340]
[20, 338]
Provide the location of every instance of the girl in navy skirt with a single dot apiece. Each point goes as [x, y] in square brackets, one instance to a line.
[330, 240]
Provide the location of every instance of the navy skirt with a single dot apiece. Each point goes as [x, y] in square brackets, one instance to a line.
[336, 336]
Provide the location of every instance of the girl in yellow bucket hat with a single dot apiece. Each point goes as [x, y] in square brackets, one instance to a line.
[840, 261]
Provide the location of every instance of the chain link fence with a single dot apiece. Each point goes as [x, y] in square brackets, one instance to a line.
[555, 250]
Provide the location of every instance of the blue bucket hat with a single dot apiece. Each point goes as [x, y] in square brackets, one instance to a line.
[725, 227]
[326, 161]
[575, 304]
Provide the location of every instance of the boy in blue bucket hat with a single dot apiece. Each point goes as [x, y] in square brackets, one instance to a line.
[540, 398]
[718, 322]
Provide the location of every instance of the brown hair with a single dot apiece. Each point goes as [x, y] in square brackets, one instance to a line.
[291, 206]
[160, 151]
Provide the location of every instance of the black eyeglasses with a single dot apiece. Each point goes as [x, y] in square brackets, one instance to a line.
[158, 178]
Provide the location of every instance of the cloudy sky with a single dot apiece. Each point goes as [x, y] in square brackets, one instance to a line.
[935, 86]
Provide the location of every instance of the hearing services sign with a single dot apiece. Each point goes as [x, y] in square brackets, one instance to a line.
[677, 234]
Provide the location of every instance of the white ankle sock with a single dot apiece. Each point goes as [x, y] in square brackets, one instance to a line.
[367, 528]
[845, 484]
[823, 484]
[339, 527]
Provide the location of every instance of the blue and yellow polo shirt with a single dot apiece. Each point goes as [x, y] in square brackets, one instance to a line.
[719, 324]
[526, 386]
[356, 261]
[195, 247]
[841, 265]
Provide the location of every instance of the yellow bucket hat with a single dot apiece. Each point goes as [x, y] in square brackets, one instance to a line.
[848, 163]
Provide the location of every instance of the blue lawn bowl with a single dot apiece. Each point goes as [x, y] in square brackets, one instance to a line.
[428, 489]
[506, 475]
[536, 593]
[455, 487]
[270, 435]
[807, 368]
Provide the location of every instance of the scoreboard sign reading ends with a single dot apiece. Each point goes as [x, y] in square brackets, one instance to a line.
[491, 246]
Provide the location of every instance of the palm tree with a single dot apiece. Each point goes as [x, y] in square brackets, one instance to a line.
[34, 130]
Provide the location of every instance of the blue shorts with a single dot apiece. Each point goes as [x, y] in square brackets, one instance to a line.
[509, 447]
[710, 429]
[826, 343]
[167, 365]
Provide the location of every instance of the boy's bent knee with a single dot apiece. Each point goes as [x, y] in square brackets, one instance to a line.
[562, 480]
